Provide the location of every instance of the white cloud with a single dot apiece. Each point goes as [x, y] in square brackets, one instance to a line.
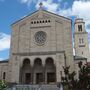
[28, 2]
[1, 59]
[4, 41]
[80, 9]
[48, 5]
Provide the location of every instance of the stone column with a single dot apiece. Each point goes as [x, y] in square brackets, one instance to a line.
[59, 63]
[32, 75]
[15, 70]
[43, 66]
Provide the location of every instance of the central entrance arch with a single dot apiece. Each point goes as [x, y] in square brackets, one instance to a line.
[38, 71]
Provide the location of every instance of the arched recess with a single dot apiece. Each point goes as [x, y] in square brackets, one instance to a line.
[38, 71]
[50, 71]
[26, 72]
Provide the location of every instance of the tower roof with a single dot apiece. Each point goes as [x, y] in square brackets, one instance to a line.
[79, 20]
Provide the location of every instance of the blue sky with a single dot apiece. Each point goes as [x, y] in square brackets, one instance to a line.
[13, 10]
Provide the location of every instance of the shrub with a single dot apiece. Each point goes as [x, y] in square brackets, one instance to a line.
[2, 85]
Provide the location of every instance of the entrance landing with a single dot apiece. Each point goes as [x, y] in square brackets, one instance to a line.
[34, 87]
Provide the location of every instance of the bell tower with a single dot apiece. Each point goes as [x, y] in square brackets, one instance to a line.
[81, 39]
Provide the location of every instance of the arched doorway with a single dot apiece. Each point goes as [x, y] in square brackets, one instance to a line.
[26, 72]
[50, 71]
[38, 71]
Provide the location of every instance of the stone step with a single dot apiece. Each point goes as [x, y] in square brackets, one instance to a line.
[34, 87]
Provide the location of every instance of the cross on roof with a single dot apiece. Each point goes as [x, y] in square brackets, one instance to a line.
[40, 4]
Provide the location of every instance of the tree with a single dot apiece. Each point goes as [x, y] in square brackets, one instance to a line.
[84, 77]
[83, 82]
[68, 80]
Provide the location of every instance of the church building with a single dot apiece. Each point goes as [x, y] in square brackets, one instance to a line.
[41, 43]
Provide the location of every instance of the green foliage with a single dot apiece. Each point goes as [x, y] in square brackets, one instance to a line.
[66, 87]
[2, 85]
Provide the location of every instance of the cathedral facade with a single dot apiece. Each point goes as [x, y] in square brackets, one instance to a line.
[41, 43]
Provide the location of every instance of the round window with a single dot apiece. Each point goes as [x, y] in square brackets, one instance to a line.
[40, 37]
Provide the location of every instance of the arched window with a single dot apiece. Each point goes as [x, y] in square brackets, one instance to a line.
[79, 27]
[49, 61]
[43, 21]
[50, 67]
[48, 20]
[37, 21]
[34, 22]
[40, 21]
[26, 61]
[31, 22]
[38, 61]
[4, 75]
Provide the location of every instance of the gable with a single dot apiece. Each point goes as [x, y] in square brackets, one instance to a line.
[41, 14]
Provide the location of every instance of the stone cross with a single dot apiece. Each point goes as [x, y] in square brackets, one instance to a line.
[41, 4]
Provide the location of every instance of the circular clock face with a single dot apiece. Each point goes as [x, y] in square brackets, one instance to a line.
[40, 37]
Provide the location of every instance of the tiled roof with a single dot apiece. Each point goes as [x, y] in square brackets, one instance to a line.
[4, 61]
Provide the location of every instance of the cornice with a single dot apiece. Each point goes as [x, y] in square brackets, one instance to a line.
[38, 53]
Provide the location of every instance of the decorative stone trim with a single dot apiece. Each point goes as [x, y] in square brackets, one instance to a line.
[32, 27]
[38, 53]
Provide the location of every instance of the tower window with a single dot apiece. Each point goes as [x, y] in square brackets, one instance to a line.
[79, 27]
[79, 40]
